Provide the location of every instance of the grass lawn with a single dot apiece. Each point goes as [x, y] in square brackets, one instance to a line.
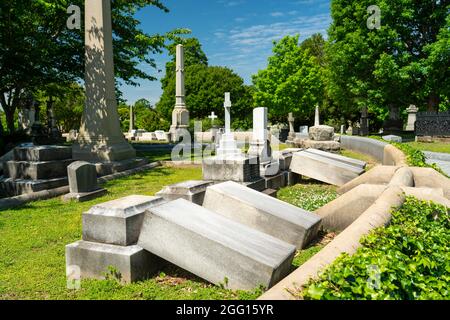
[33, 240]
[433, 147]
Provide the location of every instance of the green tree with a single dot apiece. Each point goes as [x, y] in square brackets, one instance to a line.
[383, 68]
[37, 48]
[292, 82]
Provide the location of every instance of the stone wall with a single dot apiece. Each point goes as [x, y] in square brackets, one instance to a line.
[368, 146]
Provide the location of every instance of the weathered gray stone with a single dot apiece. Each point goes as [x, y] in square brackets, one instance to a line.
[193, 191]
[327, 146]
[239, 169]
[324, 169]
[321, 133]
[276, 182]
[392, 138]
[33, 170]
[256, 210]
[119, 221]
[213, 247]
[93, 260]
[42, 153]
[333, 156]
[372, 147]
[82, 177]
[10, 187]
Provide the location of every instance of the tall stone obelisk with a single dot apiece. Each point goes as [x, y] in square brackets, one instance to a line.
[101, 138]
[180, 115]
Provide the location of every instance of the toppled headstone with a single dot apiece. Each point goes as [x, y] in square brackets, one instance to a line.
[213, 247]
[193, 191]
[333, 156]
[119, 221]
[83, 182]
[261, 212]
[324, 169]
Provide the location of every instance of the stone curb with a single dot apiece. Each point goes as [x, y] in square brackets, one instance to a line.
[13, 202]
[378, 215]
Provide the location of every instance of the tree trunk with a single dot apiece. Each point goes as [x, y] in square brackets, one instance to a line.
[433, 103]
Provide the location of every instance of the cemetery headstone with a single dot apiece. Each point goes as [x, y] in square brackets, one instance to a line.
[83, 182]
[412, 117]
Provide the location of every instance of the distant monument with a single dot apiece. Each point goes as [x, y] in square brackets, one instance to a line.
[412, 117]
[100, 138]
[180, 115]
[317, 117]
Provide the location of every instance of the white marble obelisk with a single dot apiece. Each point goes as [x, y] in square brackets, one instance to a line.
[180, 114]
[100, 138]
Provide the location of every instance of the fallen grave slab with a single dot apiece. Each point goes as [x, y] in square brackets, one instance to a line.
[262, 212]
[324, 169]
[337, 157]
[213, 247]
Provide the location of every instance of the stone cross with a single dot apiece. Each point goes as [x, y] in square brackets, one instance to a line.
[100, 137]
[291, 120]
[227, 106]
[317, 118]
[213, 117]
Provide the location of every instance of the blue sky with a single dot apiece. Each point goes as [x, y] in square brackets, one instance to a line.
[234, 33]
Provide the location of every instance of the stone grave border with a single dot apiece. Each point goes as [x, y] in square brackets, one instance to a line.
[395, 180]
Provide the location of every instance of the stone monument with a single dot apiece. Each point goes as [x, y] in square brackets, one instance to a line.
[100, 138]
[260, 146]
[364, 122]
[317, 117]
[412, 117]
[230, 163]
[131, 119]
[291, 121]
[83, 182]
[180, 115]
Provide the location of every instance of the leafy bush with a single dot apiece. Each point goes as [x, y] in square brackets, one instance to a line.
[408, 260]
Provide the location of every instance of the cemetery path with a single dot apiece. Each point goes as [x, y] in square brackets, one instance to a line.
[441, 159]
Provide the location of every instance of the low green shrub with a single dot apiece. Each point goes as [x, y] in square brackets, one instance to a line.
[408, 260]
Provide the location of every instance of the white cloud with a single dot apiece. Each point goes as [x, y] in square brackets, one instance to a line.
[277, 14]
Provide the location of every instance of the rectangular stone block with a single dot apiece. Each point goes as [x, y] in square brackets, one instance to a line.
[42, 153]
[193, 191]
[276, 182]
[324, 169]
[258, 185]
[119, 221]
[213, 247]
[93, 261]
[239, 169]
[10, 187]
[264, 213]
[352, 162]
[34, 170]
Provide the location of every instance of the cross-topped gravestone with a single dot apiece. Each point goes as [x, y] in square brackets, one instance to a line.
[213, 118]
[227, 106]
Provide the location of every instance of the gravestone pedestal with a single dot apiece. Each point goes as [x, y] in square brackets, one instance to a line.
[412, 118]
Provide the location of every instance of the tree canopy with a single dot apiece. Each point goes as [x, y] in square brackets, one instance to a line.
[293, 81]
[38, 49]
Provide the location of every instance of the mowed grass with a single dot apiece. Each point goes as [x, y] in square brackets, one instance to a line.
[33, 240]
[371, 162]
[441, 147]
